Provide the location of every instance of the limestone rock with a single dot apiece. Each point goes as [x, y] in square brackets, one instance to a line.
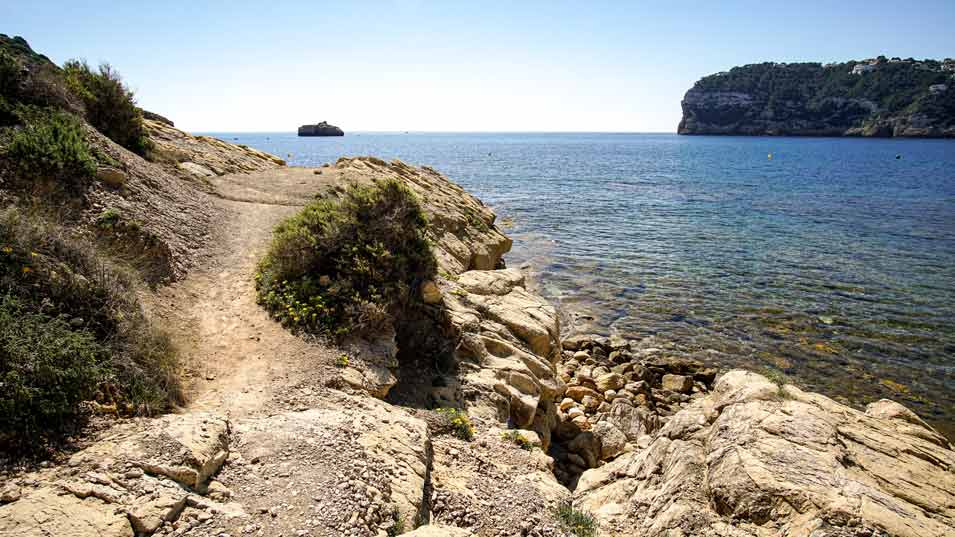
[323, 445]
[610, 381]
[197, 170]
[754, 459]
[147, 517]
[461, 227]
[173, 146]
[45, 512]
[187, 448]
[508, 346]
[612, 440]
[111, 176]
[677, 383]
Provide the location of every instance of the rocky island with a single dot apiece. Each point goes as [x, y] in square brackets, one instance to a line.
[320, 129]
[180, 295]
[877, 97]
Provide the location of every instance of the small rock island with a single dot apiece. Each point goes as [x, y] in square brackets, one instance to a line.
[320, 129]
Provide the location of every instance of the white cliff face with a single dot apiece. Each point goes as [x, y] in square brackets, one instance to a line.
[756, 459]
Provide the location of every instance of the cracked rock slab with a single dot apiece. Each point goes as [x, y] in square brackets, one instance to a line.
[47, 512]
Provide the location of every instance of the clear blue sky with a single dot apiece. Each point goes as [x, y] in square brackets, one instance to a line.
[456, 66]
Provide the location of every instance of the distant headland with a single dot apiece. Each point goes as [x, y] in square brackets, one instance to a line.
[320, 129]
[879, 97]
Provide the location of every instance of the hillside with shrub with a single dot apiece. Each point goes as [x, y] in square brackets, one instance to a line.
[98, 208]
[878, 97]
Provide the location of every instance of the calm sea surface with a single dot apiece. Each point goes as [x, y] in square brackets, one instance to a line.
[832, 262]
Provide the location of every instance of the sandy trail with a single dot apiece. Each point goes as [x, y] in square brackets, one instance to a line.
[236, 358]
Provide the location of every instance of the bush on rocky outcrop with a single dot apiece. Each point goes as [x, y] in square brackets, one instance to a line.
[110, 106]
[349, 265]
[50, 145]
[71, 327]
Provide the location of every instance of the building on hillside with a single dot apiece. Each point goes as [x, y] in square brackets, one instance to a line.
[935, 89]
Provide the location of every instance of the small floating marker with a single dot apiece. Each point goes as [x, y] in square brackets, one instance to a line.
[769, 156]
[898, 157]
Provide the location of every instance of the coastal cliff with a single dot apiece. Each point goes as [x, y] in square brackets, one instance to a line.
[879, 97]
[320, 129]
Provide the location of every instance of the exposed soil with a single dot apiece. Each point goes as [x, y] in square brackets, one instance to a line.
[237, 359]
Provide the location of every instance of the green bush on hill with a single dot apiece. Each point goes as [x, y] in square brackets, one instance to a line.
[110, 106]
[71, 327]
[47, 368]
[894, 86]
[347, 265]
[51, 144]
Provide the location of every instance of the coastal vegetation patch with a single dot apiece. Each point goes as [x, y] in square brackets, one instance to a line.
[349, 265]
[110, 105]
[71, 330]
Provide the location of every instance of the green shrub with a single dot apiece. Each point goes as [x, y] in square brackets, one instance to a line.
[398, 524]
[108, 219]
[51, 145]
[578, 523]
[517, 439]
[110, 106]
[347, 265]
[47, 368]
[68, 299]
[458, 422]
[9, 88]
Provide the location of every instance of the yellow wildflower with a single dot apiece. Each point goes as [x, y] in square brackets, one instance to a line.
[7, 249]
[26, 270]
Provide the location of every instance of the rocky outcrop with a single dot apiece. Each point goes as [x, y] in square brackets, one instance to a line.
[490, 486]
[619, 394]
[139, 477]
[204, 156]
[871, 98]
[507, 346]
[753, 458]
[320, 129]
[152, 116]
[459, 225]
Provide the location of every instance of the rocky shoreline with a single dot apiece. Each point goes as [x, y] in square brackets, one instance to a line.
[645, 442]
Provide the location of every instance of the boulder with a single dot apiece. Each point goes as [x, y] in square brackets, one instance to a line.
[609, 381]
[187, 448]
[753, 459]
[577, 393]
[677, 383]
[612, 440]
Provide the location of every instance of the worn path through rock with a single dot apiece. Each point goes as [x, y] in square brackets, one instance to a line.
[237, 359]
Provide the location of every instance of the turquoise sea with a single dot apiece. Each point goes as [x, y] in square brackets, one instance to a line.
[829, 260]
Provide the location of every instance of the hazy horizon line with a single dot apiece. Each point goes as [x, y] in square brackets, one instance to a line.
[206, 131]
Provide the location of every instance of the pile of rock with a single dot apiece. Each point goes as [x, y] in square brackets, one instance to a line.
[617, 395]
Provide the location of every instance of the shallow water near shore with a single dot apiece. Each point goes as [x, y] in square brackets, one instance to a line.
[829, 260]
